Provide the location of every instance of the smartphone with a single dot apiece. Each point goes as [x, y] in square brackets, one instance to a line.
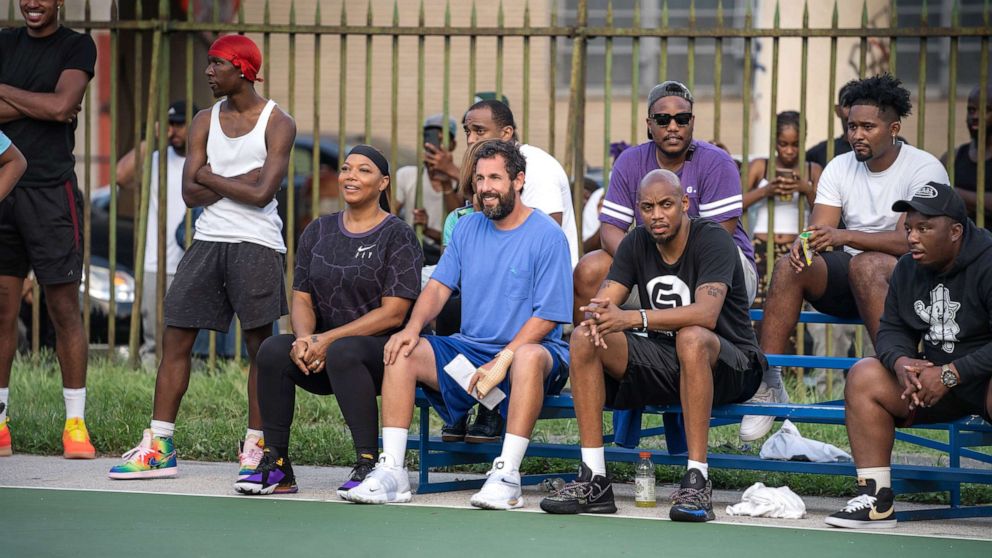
[787, 173]
[433, 137]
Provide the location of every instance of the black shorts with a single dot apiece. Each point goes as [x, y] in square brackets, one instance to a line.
[41, 229]
[837, 299]
[653, 372]
[961, 401]
[215, 280]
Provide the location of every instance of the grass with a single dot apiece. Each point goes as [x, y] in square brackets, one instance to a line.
[213, 417]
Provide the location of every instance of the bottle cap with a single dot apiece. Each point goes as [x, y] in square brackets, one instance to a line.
[645, 455]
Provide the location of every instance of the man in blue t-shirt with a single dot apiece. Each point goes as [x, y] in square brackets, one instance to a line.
[512, 266]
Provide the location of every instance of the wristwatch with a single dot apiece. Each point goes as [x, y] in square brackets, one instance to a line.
[947, 376]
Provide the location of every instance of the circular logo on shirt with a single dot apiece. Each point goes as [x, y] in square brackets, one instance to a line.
[668, 291]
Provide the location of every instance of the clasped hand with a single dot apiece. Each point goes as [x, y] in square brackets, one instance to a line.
[603, 318]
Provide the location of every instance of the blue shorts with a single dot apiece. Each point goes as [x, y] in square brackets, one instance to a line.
[453, 402]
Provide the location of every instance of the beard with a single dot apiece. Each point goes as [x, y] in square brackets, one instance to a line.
[865, 157]
[500, 210]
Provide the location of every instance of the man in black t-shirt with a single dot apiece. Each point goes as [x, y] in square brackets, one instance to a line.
[966, 157]
[691, 343]
[44, 70]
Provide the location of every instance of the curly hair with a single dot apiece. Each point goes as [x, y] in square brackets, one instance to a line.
[883, 91]
[513, 160]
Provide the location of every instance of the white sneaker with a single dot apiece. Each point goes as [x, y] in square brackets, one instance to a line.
[386, 484]
[501, 491]
[756, 426]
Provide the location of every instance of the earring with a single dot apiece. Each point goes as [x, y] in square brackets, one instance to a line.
[242, 76]
[893, 137]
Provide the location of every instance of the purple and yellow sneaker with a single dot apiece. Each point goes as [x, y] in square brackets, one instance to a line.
[155, 457]
[250, 456]
[362, 468]
[274, 475]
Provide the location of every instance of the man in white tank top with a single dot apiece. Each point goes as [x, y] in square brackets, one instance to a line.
[238, 153]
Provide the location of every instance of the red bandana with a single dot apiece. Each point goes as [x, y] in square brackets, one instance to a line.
[241, 52]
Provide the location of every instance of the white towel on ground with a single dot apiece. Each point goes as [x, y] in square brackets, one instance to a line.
[765, 501]
[788, 444]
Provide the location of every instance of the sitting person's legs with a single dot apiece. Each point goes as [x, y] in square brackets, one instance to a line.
[825, 284]
[869, 276]
[874, 407]
[278, 377]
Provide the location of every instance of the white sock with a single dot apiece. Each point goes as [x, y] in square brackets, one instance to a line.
[703, 468]
[595, 459]
[772, 377]
[252, 432]
[163, 429]
[514, 448]
[881, 475]
[4, 395]
[75, 402]
[394, 443]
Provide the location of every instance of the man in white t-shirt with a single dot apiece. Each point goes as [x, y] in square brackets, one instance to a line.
[440, 190]
[852, 280]
[546, 187]
[127, 177]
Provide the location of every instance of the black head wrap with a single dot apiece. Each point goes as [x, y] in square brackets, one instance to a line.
[374, 155]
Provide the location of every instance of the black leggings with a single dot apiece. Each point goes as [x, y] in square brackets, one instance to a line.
[353, 372]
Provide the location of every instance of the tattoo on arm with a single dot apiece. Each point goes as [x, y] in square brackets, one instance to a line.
[713, 289]
[606, 284]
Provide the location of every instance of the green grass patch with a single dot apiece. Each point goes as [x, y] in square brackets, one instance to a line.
[213, 418]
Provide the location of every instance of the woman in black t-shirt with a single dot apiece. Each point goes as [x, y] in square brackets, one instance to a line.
[357, 275]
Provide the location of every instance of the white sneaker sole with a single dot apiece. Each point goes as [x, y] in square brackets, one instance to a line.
[497, 505]
[400, 498]
[153, 474]
[851, 524]
[254, 489]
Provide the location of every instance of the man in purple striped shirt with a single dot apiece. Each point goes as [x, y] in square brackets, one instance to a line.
[709, 176]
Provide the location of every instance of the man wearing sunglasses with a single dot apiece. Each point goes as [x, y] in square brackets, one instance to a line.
[710, 177]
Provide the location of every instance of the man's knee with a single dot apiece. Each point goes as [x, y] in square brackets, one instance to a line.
[863, 380]
[530, 362]
[63, 304]
[272, 351]
[695, 343]
[591, 271]
[580, 344]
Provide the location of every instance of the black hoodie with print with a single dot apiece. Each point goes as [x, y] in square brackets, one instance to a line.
[951, 313]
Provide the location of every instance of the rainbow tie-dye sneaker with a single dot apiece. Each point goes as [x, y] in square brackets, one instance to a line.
[5, 447]
[250, 455]
[154, 457]
[76, 440]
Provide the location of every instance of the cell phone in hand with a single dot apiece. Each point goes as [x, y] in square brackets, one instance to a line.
[433, 137]
[786, 173]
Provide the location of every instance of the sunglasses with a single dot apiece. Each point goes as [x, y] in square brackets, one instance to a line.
[662, 119]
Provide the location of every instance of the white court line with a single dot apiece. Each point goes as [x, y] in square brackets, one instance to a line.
[453, 507]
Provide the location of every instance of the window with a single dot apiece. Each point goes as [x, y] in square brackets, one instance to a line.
[939, 49]
[650, 48]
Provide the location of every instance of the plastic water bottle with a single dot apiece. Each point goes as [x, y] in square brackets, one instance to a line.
[644, 496]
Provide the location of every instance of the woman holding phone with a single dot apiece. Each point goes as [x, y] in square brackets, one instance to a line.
[788, 183]
[357, 276]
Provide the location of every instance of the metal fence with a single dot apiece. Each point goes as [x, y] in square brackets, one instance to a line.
[361, 28]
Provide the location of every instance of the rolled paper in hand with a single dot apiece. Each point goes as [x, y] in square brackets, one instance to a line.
[492, 377]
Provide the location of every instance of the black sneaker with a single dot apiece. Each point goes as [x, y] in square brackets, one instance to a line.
[455, 432]
[586, 494]
[693, 501]
[362, 468]
[274, 475]
[487, 427]
[868, 510]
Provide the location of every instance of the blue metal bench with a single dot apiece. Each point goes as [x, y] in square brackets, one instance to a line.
[962, 435]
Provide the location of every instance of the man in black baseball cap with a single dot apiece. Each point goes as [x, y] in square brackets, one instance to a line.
[129, 177]
[940, 298]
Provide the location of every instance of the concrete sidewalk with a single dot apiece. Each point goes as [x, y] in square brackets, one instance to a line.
[320, 483]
